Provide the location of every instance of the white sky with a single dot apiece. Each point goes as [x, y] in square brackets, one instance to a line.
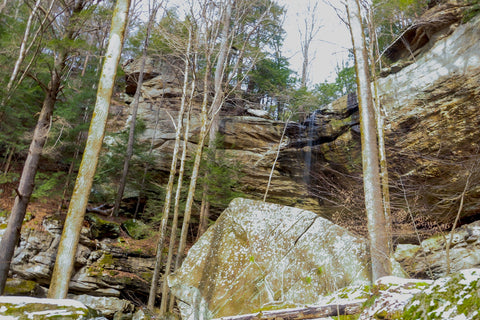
[329, 47]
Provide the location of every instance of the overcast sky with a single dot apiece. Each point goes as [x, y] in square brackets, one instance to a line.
[329, 47]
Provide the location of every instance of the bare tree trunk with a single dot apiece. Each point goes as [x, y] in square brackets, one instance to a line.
[275, 161]
[27, 180]
[171, 179]
[215, 109]
[178, 194]
[301, 313]
[380, 124]
[457, 218]
[71, 231]
[3, 5]
[194, 176]
[21, 54]
[379, 244]
[310, 30]
[8, 161]
[136, 99]
[68, 180]
[23, 51]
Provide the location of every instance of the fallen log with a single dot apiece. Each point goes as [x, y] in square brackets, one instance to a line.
[309, 312]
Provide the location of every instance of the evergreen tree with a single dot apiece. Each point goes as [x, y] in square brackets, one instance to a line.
[71, 232]
[62, 49]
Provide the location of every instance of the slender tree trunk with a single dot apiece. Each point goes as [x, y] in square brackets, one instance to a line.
[27, 180]
[23, 51]
[379, 244]
[195, 171]
[8, 161]
[215, 110]
[136, 99]
[80, 137]
[3, 5]
[178, 194]
[311, 28]
[275, 161]
[23, 45]
[171, 179]
[380, 124]
[71, 231]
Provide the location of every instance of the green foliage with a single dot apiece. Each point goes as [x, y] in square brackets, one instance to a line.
[472, 11]
[9, 177]
[19, 114]
[111, 162]
[46, 183]
[223, 175]
[446, 298]
[393, 16]
[270, 76]
[346, 79]
[310, 100]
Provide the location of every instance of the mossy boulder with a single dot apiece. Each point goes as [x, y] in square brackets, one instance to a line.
[456, 296]
[24, 308]
[101, 228]
[136, 229]
[259, 254]
[21, 287]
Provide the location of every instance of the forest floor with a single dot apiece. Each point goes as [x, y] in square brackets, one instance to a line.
[38, 209]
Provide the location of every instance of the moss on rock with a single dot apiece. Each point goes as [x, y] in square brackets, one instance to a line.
[21, 287]
[23, 308]
[101, 228]
[447, 298]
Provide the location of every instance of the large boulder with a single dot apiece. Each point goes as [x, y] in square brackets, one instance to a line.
[35, 308]
[258, 255]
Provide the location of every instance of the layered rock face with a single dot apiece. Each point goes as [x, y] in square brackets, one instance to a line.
[260, 255]
[432, 122]
[433, 127]
[431, 260]
[107, 271]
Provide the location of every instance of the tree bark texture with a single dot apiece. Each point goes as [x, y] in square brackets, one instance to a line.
[215, 109]
[78, 204]
[379, 244]
[171, 180]
[27, 180]
[133, 121]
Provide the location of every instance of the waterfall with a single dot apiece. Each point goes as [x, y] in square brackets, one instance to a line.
[310, 134]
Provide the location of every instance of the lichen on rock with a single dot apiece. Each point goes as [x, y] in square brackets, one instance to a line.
[260, 254]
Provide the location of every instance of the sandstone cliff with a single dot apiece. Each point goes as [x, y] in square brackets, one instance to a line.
[430, 99]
